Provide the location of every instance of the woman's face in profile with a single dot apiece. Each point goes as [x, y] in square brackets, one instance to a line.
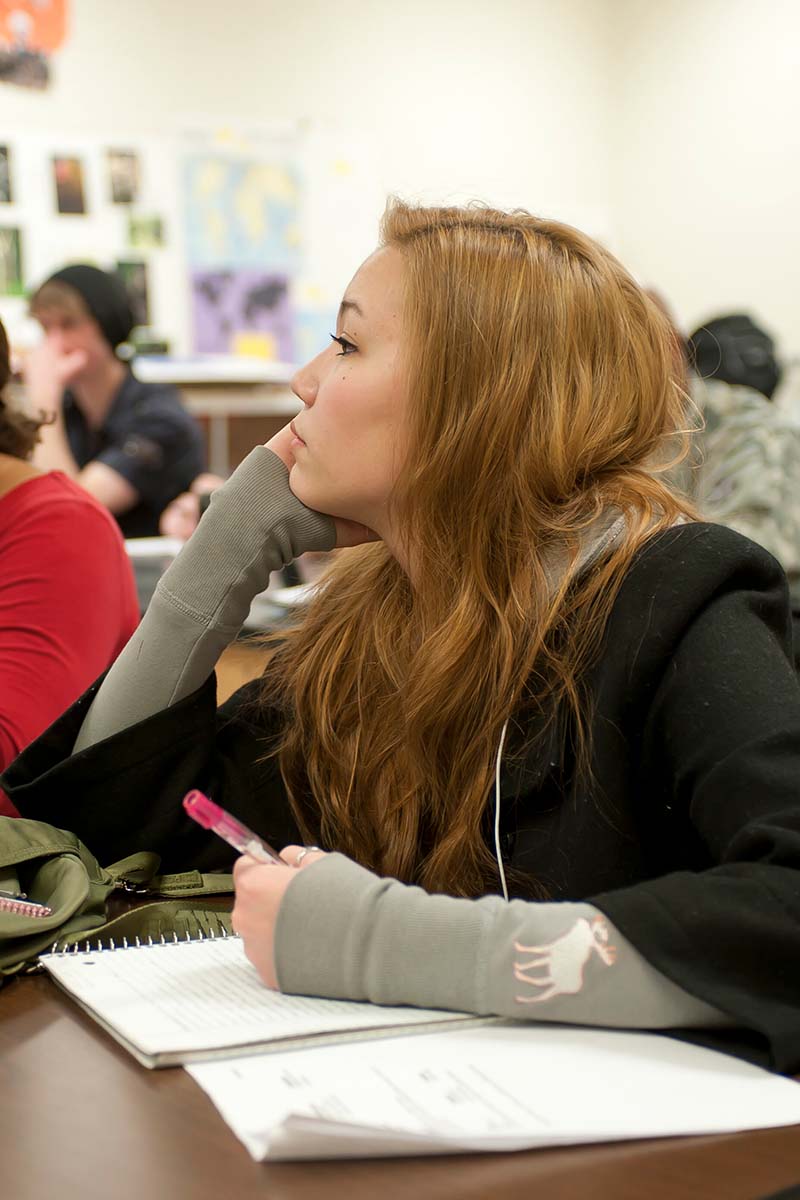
[350, 435]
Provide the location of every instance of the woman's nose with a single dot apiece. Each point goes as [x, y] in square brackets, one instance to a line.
[305, 381]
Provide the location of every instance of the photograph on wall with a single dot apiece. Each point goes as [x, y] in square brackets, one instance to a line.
[6, 190]
[68, 176]
[134, 276]
[145, 233]
[11, 283]
[123, 171]
[30, 32]
[243, 312]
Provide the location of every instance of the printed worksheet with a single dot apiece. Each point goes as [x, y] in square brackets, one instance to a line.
[507, 1086]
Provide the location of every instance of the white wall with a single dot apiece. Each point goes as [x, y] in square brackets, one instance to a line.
[505, 101]
[671, 130]
[706, 127]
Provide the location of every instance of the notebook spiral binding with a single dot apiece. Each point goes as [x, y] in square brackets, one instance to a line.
[138, 943]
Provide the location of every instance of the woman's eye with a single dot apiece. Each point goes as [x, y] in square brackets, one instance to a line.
[346, 347]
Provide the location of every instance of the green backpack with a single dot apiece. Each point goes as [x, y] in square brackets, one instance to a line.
[52, 867]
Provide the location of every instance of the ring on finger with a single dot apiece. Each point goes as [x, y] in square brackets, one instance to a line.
[302, 853]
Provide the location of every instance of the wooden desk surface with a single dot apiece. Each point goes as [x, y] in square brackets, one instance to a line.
[81, 1120]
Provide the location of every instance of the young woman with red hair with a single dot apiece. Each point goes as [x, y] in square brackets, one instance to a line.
[542, 718]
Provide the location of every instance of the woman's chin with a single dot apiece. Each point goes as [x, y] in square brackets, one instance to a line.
[310, 496]
[321, 499]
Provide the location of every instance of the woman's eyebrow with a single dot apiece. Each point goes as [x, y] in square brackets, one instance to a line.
[350, 306]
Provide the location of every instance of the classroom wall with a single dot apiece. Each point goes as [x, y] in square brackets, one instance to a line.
[706, 142]
[507, 101]
[670, 131]
[436, 100]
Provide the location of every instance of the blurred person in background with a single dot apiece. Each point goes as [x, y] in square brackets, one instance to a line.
[743, 469]
[67, 597]
[131, 445]
[179, 519]
[745, 464]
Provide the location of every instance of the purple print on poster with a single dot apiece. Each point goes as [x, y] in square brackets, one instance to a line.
[242, 312]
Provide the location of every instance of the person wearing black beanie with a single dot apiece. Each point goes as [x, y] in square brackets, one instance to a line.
[105, 296]
[130, 444]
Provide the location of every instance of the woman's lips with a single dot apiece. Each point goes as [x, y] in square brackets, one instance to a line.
[297, 437]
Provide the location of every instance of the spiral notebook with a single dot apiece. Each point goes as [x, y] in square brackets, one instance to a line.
[173, 1002]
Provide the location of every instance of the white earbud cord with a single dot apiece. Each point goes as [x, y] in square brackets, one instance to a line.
[497, 852]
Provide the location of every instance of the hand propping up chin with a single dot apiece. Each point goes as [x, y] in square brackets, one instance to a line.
[47, 371]
[348, 533]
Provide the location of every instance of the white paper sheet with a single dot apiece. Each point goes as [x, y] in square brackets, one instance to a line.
[500, 1087]
[165, 1002]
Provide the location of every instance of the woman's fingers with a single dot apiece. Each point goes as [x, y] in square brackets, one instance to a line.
[260, 888]
[280, 444]
[301, 856]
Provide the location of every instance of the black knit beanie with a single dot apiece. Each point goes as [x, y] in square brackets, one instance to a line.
[105, 296]
[737, 351]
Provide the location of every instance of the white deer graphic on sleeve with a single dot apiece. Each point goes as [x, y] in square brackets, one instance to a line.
[559, 965]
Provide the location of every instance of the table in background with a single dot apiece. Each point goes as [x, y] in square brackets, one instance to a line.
[81, 1120]
[238, 401]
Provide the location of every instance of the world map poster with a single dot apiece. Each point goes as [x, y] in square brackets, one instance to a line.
[242, 312]
[244, 248]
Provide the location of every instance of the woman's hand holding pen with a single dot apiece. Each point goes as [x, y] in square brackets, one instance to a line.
[261, 877]
[260, 889]
[348, 533]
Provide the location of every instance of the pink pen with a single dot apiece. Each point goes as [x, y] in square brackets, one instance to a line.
[211, 816]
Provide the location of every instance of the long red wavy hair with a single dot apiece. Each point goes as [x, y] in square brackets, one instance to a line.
[543, 397]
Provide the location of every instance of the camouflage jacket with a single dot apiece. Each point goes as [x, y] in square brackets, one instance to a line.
[744, 470]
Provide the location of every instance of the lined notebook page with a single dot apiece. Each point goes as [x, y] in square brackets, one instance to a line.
[205, 995]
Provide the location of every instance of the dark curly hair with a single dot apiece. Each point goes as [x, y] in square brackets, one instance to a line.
[19, 433]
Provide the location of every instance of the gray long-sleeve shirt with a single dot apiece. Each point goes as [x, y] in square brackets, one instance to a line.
[341, 930]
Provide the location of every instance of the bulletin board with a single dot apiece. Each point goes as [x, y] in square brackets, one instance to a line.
[232, 240]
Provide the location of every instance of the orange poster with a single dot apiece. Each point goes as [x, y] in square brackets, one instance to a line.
[30, 31]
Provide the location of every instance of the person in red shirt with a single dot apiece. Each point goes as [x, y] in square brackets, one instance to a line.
[67, 593]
